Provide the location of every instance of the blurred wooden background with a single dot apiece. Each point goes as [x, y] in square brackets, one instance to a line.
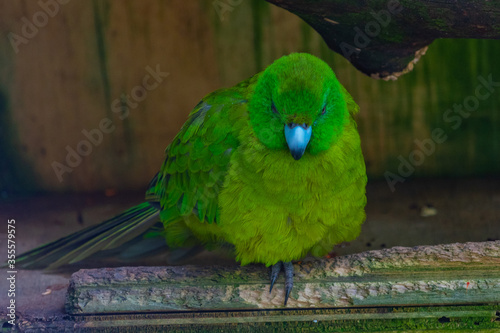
[66, 67]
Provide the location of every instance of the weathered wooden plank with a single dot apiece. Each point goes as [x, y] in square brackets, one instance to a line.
[482, 318]
[424, 275]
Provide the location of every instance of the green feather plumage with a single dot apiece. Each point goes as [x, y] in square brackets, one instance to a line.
[229, 178]
[270, 207]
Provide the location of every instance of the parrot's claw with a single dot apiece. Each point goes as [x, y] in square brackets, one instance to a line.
[288, 268]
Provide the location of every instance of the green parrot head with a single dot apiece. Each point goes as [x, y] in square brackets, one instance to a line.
[298, 104]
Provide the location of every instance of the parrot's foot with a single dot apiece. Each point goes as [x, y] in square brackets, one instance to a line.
[275, 270]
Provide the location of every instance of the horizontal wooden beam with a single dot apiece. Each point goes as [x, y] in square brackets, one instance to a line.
[425, 275]
[481, 318]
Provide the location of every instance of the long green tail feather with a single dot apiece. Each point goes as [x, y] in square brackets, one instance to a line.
[104, 236]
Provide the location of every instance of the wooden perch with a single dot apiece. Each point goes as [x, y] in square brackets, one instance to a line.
[385, 38]
[432, 275]
[449, 287]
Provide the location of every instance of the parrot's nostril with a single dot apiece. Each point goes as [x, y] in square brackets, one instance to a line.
[293, 125]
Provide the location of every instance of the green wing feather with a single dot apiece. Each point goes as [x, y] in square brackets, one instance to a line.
[197, 160]
[81, 244]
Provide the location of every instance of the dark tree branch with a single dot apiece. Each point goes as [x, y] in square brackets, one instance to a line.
[385, 38]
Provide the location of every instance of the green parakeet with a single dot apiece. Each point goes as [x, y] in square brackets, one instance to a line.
[272, 166]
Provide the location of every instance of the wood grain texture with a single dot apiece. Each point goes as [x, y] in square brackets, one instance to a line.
[441, 319]
[425, 275]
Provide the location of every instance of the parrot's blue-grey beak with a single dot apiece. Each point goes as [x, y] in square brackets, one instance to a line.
[297, 137]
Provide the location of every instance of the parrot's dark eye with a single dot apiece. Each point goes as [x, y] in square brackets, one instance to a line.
[273, 107]
[324, 110]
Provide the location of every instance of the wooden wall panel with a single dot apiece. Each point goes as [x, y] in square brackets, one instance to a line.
[74, 71]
